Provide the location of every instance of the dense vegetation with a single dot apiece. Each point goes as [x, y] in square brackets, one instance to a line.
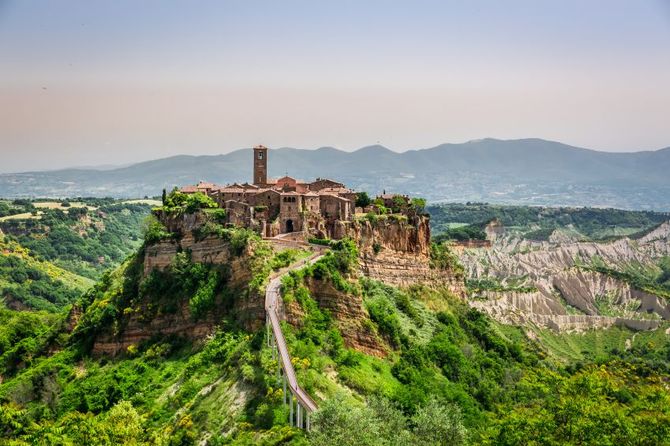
[26, 282]
[15, 207]
[450, 374]
[462, 233]
[539, 222]
[85, 241]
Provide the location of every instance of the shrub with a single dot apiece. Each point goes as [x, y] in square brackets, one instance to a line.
[376, 247]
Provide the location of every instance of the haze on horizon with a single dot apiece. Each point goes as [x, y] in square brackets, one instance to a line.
[114, 82]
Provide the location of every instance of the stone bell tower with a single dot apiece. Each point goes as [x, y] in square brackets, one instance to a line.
[260, 166]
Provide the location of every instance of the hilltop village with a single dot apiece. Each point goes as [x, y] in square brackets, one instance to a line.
[288, 205]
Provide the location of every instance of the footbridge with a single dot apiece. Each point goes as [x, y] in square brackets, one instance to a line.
[301, 405]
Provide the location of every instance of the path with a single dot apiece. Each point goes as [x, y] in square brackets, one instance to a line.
[304, 405]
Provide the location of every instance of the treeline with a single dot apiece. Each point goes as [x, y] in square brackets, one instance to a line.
[588, 221]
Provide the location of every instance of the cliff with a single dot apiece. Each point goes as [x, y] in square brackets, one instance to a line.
[398, 253]
[148, 317]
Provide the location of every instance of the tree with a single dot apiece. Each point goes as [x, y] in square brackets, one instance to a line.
[337, 422]
[164, 196]
[439, 424]
[363, 200]
[419, 204]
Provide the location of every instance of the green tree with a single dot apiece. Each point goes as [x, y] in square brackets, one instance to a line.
[363, 200]
[438, 424]
[419, 204]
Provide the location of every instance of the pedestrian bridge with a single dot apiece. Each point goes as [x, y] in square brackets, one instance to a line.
[301, 405]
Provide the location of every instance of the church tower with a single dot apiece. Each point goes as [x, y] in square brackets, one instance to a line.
[260, 166]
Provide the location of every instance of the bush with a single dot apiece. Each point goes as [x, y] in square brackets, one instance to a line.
[319, 241]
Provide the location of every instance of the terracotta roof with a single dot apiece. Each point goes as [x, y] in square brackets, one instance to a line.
[311, 194]
[336, 190]
[189, 189]
[334, 196]
[290, 193]
[264, 190]
[231, 189]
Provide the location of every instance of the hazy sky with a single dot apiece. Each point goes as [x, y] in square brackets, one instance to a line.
[98, 82]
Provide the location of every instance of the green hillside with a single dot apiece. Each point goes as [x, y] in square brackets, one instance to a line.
[451, 375]
[85, 236]
[27, 282]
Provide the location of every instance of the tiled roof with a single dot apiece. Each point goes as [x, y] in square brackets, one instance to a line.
[234, 190]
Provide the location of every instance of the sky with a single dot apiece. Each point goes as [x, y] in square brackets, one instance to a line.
[88, 83]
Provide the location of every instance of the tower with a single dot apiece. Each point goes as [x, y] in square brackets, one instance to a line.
[260, 165]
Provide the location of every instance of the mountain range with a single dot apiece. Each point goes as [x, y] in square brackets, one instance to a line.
[524, 171]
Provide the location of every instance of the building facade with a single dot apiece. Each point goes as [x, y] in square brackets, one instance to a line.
[283, 205]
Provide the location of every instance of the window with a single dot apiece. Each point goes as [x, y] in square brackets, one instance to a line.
[260, 155]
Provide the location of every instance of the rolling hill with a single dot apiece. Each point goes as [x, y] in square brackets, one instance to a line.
[525, 171]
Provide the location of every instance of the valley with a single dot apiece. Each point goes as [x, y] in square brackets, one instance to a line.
[390, 334]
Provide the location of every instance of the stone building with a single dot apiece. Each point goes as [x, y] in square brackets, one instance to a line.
[284, 205]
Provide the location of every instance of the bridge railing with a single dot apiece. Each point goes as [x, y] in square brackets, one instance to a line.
[304, 404]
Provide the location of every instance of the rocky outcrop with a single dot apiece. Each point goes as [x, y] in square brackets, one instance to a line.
[350, 316]
[397, 252]
[147, 322]
[401, 234]
[138, 328]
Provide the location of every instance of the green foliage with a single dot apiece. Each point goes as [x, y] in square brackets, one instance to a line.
[363, 200]
[593, 223]
[376, 247]
[319, 241]
[606, 405]
[32, 285]
[284, 258]
[198, 282]
[15, 207]
[442, 257]
[514, 284]
[80, 241]
[652, 280]
[154, 231]
[24, 336]
[419, 204]
[380, 423]
[179, 202]
[462, 233]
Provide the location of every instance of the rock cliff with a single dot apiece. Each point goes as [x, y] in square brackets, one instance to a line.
[146, 321]
[398, 253]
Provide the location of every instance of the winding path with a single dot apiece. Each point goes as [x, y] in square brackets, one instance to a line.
[305, 405]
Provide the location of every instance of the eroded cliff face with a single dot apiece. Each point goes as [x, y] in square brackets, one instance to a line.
[351, 317]
[150, 321]
[569, 298]
[397, 252]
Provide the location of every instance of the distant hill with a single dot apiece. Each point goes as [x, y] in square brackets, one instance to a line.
[525, 171]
